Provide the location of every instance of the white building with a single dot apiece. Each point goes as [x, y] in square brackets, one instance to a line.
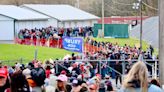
[64, 15]
[13, 18]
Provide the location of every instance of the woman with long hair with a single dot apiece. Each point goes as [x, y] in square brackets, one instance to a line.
[62, 85]
[137, 80]
[19, 83]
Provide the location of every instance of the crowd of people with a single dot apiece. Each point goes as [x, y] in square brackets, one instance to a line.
[38, 77]
[41, 36]
[87, 72]
[116, 51]
[52, 37]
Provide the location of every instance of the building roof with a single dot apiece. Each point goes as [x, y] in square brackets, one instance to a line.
[150, 31]
[121, 19]
[20, 13]
[61, 12]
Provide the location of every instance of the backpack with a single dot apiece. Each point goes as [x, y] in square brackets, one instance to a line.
[38, 75]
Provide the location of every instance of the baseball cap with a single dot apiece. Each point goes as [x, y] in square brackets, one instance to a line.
[62, 78]
[3, 72]
[75, 81]
[107, 76]
[63, 72]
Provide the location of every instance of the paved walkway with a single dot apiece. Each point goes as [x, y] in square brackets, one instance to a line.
[114, 84]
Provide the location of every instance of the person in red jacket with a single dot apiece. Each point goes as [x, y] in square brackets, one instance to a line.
[48, 71]
[43, 41]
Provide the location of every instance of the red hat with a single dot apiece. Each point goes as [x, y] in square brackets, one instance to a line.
[3, 72]
[63, 72]
[5, 67]
[98, 75]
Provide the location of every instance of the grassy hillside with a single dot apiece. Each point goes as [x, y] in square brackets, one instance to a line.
[12, 52]
[121, 41]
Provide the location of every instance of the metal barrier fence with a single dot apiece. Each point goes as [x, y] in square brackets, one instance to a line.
[56, 43]
[12, 62]
[151, 64]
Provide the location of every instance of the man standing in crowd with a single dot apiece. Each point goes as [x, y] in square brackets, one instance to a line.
[118, 67]
[38, 75]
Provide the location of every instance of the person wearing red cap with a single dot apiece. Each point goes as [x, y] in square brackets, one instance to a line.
[63, 72]
[4, 82]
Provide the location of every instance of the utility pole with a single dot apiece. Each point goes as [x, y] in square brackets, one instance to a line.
[140, 1]
[78, 3]
[102, 31]
[161, 41]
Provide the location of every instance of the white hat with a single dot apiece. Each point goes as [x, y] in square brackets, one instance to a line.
[27, 73]
[62, 78]
[75, 81]
[79, 77]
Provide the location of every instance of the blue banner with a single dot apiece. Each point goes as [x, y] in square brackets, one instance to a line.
[73, 44]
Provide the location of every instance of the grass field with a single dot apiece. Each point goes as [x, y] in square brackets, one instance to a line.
[122, 42]
[12, 52]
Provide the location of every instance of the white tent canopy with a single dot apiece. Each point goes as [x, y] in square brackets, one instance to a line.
[20, 13]
[61, 12]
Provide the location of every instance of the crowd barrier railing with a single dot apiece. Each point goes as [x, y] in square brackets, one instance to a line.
[55, 43]
[151, 64]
